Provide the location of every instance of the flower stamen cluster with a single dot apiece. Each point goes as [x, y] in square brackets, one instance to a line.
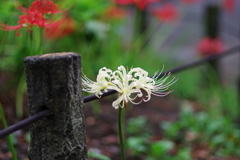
[133, 86]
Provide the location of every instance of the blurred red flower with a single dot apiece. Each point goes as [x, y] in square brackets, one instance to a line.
[35, 15]
[44, 7]
[167, 12]
[41, 6]
[208, 46]
[229, 5]
[115, 12]
[64, 26]
[28, 20]
[142, 4]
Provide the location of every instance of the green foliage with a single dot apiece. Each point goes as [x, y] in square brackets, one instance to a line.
[138, 126]
[10, 138]
[98, 156]
[86, 10]
[159, 149]
[201, 85]
[183, 153]
[187, 84]
[192, 128]
[139, 144]
[6, 7]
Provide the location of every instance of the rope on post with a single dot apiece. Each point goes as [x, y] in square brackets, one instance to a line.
[54, 84]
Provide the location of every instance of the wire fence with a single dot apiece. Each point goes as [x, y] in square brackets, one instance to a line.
[45, 113]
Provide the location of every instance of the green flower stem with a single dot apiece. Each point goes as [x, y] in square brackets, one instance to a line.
[19, 96]
[10, 143]
[120, 133]
[40, 41]
[37, 41]
[139, 35]
[136, 24]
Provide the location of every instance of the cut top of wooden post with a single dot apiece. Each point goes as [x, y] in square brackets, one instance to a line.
[51, 56]
[54, 83]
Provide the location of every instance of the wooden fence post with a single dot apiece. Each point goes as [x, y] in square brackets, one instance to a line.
[54, 83]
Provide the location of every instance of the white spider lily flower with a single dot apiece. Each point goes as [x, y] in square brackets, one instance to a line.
[130, 85]
[152, 85]
[124, 83]
[159, 86]
[143, 82]
[101, 85]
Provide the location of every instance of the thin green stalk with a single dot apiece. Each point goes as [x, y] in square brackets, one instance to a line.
[19, 96]
[10, 143]
[40, 40]
[137, 32]
[37, 41]
[120, 133]
[141, 29]
[136, 24]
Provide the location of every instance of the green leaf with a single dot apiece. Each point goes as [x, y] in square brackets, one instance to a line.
[137, 126]
[9, 137]
[137, 145]
[160, 148]
[184, 153]
[97, 155]
[171, 129]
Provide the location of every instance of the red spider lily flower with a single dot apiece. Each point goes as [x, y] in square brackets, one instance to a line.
[41, 6]
[34, 16]
[115, 12]
[44, 6]
[208, 46]
[229, 4]
[28, 21]
[65, 26]
[167, 12]
[142, 4]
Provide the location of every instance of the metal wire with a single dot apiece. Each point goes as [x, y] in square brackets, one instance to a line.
[90, 98]
[206, 59]
[24, 123]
